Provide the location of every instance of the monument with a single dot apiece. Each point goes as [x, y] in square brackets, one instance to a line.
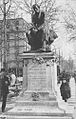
[38, 99]
[38, 96]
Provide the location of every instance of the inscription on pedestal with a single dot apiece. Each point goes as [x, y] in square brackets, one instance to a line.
[37, 77]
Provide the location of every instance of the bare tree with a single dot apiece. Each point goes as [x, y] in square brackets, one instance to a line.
[5, 10]
[48, 6]
[70, 23]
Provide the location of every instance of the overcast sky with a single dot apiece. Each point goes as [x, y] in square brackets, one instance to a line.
[67, 49]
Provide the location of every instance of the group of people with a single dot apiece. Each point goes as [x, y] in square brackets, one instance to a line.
[5, 82]
[36, 36]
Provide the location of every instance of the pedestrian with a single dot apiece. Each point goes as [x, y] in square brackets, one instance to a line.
[65, 90]
[4, 88]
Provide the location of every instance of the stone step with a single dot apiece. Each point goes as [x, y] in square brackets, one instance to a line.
[36, 103]
[72, 101]
[35, 117]
[40, 114]
[37, 114]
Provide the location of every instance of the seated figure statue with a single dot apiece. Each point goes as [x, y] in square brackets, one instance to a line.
[37, 36]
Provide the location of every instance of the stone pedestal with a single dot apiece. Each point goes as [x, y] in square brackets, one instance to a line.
[39, 75]
[38, 96]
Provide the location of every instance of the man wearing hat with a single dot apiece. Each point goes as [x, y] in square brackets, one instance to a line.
[4, 88]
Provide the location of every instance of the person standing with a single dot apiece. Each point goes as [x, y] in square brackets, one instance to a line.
[65, 90]
[13, 78]
[5, 82]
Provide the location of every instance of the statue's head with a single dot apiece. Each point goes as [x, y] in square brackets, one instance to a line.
[36, 8]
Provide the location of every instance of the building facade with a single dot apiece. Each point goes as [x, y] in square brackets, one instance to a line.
[16, 43]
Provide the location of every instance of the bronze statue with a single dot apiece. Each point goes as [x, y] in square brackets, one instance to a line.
[37, 36]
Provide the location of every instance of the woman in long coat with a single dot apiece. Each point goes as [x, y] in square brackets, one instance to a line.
[65, 90]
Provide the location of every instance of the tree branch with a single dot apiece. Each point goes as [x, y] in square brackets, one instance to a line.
[8, 9]
[1, 9]
[22, 8]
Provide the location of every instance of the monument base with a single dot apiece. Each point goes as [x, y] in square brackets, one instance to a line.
[41, 109]
[37, 110]
[37, 99]
[34, 117]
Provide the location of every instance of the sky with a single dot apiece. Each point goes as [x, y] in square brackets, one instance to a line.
[66, 48]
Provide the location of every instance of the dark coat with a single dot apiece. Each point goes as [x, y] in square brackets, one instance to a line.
[35, 40]
[65, 91]
[38, 19]
[5, 85]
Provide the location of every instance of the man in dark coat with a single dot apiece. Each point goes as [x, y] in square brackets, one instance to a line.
[4, 88]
